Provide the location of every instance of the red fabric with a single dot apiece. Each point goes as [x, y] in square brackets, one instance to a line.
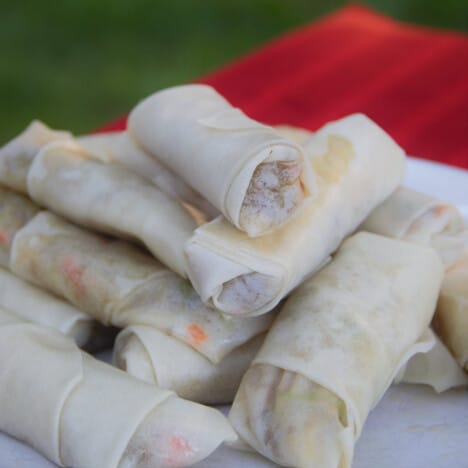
[413, 81]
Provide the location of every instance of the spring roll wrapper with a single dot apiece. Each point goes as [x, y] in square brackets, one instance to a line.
[357, 165]
[15, 212]
[348, 330]
[16, 156]
[109, 198]
[436, 367]
[85, 412]
[297, 134]
[451, 317]
[151, 355]
[33, 304]
[119, 284]
[194, 131]
[119, 147]
[422, 219]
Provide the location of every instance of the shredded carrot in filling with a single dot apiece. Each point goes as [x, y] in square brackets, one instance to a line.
[179, 449]
[197, 335]
[5, 237]
[439, 210]
[74, 273]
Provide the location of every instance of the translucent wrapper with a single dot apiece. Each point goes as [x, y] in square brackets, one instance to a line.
[31, 303]
[107, 197]
[258, 178]
[15, 212]
[297, 134]
[422, 219]
[119, 284]
[150, 355]
[436, 367]
[334, 349]
[16, 156]
[451, 318]
[87, 414]
[357, 165]
[119, 147]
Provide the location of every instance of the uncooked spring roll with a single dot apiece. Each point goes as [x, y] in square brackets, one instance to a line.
[120, 148]
[68, 180]
[423, 219]
[119, 284]
[247, 170]
[451, 318]
[15, 212]
[334, 349]
[16, 156]
[150, 355]
[357, 166]
[87, 414]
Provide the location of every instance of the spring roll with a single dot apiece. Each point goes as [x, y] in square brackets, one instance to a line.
[16, 156]
[119, 284]
[154, 357]
[334, 350]
[15, 212]
[247, 170]
[423, 219]
[120, 148]
[436, 367]
[451, 318]
[357, 165]
[87, 414]
[109, 198]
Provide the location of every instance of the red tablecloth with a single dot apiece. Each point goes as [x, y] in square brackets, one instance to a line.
[411, 80]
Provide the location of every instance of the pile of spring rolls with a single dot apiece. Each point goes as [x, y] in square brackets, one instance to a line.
[224, 261]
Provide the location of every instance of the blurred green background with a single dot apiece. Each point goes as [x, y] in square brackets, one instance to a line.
[77, 64]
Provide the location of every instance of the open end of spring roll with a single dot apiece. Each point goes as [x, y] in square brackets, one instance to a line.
[17, 155]
[120, 148]
[152, 356]
[357, 165]
[422, 219]
[111, 199]
[261, 177]
[15, 212]
[291, 420]
[119, 284]
[334, 349]
[451, 317]
[168, 438]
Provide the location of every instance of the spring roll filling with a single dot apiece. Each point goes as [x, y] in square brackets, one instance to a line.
[295, 421]
[275, 191]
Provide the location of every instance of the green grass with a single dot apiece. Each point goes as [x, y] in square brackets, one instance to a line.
[77, 64]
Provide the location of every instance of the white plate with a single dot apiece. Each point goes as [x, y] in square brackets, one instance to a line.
[412, 427]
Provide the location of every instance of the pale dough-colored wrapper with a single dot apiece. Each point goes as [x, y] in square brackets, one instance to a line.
[357, 166]
[16, 156]
[120, 147]
[15, 212]
[67, 179]
[422, 219]
[150, 355]
[247, 170]
[297, 134]
[335, 348]
[87, 414]
[36, 305]
[121, 285]
[436, 367]
[451, 318]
